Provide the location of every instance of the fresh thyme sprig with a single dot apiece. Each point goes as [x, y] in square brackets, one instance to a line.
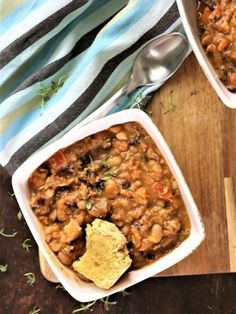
[46, 92]
[30, 278]
[7, 235]
[26, 245]
[11, 194]
[172, 105]
[106, 302]
[3, 268]
[84, 307]
[139, 103]
[35, 310]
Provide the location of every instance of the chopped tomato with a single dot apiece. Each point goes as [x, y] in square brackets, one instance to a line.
[205, 15]
[163, 190]
[58, 161]
[232, 79]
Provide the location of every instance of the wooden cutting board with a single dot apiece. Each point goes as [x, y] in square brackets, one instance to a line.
[201, 133]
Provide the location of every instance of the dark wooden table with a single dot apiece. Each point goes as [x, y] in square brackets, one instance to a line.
[202, 135]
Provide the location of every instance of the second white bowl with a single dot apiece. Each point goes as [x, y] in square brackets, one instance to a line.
[188, 13]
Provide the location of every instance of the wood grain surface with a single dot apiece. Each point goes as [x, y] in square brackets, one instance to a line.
[201, 133]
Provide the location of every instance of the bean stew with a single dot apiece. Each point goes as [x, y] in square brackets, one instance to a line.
[118, 175]
[217, 23]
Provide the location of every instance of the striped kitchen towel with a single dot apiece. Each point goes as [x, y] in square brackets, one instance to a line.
[61, 60]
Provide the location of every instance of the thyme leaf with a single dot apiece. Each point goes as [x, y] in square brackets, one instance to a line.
[125, 293]
[30, 279]
[106, 302]
[35, 310]
[108, 174]
[3, 268]
[59, 286]
[7, 235]
[26, 245]
[19, 215]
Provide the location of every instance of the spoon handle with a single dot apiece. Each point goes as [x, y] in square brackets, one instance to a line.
[106, 107]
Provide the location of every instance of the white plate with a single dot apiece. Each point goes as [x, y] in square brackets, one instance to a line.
[188, 13]
[78, 289]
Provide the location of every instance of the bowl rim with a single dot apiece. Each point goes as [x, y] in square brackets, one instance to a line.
[20, 180]
[226, 96]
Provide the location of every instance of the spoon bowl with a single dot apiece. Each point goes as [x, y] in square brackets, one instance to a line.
[158, 60]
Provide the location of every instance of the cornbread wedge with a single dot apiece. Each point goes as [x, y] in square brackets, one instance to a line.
[106, 257]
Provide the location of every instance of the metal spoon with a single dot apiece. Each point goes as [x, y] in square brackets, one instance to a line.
[155, 63]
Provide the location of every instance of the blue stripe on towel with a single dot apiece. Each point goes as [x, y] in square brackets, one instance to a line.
[19, 14]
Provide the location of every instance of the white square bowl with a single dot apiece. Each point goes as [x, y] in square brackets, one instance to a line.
[82, 291]
[188, 13]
